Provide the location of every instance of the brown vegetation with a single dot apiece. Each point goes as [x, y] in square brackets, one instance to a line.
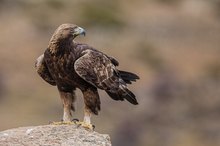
[173, 46]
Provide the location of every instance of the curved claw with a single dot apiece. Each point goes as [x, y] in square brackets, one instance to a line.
[93, 126]
[75, 120]
[61, 123]
[86, 125]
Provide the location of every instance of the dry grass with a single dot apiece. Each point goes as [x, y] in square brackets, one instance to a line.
[173, 50]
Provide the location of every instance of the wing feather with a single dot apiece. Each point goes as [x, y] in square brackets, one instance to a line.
[98, 69]
[43, 71]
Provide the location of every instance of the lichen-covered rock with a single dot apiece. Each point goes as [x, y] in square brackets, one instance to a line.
[53, 135]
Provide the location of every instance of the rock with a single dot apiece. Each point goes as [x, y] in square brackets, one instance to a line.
[53, 135]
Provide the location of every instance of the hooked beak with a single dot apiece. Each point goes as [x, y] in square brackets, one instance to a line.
[79, 31]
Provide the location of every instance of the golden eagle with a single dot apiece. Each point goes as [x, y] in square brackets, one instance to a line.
[70, 65]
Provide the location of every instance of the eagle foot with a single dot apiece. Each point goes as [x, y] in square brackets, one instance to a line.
[75, 120]
[62, 123]
[86, 125]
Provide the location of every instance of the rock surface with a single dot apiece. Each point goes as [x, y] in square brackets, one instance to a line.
[53, 135]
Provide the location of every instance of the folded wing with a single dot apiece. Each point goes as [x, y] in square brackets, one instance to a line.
[97, 69]
[43, 71]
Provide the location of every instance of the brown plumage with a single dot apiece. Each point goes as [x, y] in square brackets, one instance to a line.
[70, 65]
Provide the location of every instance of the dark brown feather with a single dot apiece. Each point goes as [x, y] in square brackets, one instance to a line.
[128, 77]
[97, 69]
[91, 100]
[43, 71]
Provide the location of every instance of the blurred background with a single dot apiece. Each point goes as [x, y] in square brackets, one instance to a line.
[173, 45]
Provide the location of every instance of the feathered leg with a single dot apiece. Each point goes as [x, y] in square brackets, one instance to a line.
[87, 116]
[68, 99]
[87, 120]
[92, 106]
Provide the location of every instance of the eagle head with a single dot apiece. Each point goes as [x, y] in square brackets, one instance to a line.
[67, 32]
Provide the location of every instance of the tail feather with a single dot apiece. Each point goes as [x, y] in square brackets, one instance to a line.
[128, 77]
[129, 96]
[123, 93]
[115, 96]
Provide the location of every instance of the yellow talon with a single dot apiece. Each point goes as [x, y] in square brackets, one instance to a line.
[86, 125]
[62, 123]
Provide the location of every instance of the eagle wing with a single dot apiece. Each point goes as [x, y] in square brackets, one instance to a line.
[42, 70]
[100, 71]
[97, 69]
